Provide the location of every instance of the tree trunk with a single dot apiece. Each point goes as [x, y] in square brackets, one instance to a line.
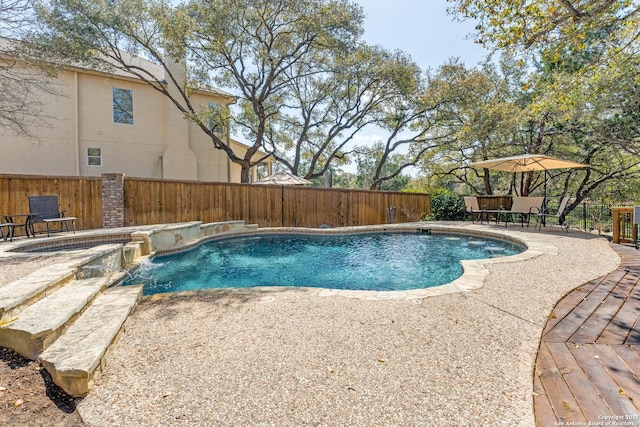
[525, 188]
[487, 183]
[245, 173]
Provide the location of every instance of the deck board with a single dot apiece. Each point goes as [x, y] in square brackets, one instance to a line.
[563, 331]
[565, 405]
[589, 399]
[598, 375]
[588, 362]
[623, 374]
[544, 408]
[620, 327]
[634, 335]
[630, 357]
[605, 313]
[568, 303]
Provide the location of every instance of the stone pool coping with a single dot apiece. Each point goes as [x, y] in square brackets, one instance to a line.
[184, 236]
[474, 271]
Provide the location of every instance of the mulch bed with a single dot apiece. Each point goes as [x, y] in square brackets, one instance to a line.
[28, 396]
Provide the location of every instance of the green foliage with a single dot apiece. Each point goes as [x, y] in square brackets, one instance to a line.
[278, 56]
[534, 23]
[370, 161]
[446, 205]
[507, 110]
[329, 106]
[261, 51]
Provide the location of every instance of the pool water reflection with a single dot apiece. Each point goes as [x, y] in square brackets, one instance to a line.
[371, 261]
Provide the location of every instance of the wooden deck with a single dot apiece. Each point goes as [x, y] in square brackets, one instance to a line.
[588, 364]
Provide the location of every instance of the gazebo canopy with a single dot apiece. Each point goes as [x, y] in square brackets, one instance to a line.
[283, 178]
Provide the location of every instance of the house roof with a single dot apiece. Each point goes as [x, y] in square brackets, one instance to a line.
[155, 70]
[259, 153]
[158, 72]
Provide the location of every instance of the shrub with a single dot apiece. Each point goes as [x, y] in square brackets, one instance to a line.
[446, 205]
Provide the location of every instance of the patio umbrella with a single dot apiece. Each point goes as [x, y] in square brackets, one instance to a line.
[527, 163]
[283, 178]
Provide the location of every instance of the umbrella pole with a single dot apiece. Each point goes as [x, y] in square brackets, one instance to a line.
[544, 200]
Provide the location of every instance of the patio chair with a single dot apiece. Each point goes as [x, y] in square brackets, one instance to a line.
[472, 208]
[10, 228]
[523, 208]
[542, 217]
[46, 210]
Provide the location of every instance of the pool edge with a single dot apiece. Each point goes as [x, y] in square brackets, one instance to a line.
[473, 274]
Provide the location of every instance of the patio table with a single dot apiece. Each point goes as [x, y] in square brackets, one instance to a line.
[26, 223]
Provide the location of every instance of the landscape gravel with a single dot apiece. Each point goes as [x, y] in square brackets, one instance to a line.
[289, 357]
[15, 266]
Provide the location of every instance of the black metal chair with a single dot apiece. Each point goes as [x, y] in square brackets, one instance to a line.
[10, 229]
[542, 221]
[46, 210]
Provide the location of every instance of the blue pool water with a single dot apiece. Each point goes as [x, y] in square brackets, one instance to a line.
[373, 261]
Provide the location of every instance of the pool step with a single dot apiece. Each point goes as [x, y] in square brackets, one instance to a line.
[77, 357]
[19, 294]
[37, 326]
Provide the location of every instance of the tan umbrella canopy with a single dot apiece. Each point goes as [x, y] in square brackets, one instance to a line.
[528, 162]
[283, 178]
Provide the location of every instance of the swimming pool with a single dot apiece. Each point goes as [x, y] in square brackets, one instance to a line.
[369, 261]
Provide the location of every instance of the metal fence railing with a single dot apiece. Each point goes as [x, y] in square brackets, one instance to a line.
[591, 217]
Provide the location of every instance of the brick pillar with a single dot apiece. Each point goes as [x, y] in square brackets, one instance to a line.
[112, 200]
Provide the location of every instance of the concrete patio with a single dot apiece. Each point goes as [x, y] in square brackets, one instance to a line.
[295, 356]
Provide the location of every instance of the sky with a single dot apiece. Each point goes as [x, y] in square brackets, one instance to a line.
[421, 28]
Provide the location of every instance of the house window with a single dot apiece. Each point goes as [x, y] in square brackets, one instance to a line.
[218, 120]
[122, 106]
[94, 156]
[262, 170]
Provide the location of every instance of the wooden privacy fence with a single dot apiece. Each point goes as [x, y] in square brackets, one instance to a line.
[153, 201]
[79, 196]
[148, 201]
[495, 202]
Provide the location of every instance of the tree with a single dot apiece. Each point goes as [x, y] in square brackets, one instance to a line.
[266, 50]
[532, 23]
[254, 48]
[585, 42]
[328, 109]
[595, 120]
[373, 87]
[370, 163]
[410, 124]
[23, 80]
[577, 101]
[476, 116]
[492, 113]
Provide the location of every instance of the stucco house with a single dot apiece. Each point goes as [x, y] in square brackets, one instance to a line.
[98, 122]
